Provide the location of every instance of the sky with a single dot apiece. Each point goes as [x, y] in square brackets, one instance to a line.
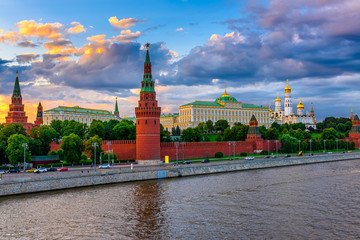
[88, 53]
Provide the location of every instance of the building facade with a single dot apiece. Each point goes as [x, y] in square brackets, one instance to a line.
[223, 108]
[169, 121]
[78, 114]
[288, 115]
[147, 119]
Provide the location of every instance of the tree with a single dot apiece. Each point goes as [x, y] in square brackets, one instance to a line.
[288, 143]
[209, 126]
[72, 126]
[109, 127]
[73, 146]
[221, 125]
[276, 126]
[218, 137]
[329, 133]
[178, 131]
[191, 135]
[262, 130]
[57, 126]
[42, 137]
[272, 133]
[320, 125]
[90, 149]
[164, 134]
[124, 130]
[15, 150]
[96, 128]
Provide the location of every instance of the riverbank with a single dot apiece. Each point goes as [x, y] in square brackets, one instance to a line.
[57, 181]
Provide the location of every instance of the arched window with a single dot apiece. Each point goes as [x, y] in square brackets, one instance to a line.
[145, 121]
[155, 122]
[138, 122]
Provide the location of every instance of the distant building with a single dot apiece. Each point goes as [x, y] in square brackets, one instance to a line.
[288, 115]
[223, 108]
[79, 114]
[169, 121]
[16, 112]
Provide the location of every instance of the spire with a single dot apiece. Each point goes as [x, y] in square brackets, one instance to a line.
[39, 104]
[116, 112]
[312, 108]
[147, 84]
[287, 88]
[17, 92]
[352, 115]
[277, 99]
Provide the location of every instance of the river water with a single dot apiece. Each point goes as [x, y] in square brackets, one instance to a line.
[317, 201]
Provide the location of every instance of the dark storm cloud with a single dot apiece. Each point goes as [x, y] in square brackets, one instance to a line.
[26, 58]
[29, 44]
[3, 61]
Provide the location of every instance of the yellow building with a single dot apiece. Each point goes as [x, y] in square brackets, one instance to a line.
[169, 121]
[223, 108]
[82, 115]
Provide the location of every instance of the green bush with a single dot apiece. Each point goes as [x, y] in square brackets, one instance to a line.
[264, 152]
[243, 154]
[219, 155]
[83, 157]
[52, 152]
[4, 168]
[40, 165]
[54, 164]
[60, 152]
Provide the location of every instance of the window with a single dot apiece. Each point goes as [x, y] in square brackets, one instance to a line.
[145, 121]
[155, 122]
[138, 122]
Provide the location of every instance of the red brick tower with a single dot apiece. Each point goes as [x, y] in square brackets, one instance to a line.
[354, 134]
[16, 112]
[39, 115]
[147, 119]
[254, 135]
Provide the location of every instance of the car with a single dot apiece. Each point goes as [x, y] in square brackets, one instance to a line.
[267, 156]
[275, 156]
[52, 169]
[14, 170]
[187, 162]
[63, 169]
[205, 160]
[2, 171]
[40, 170]
[103, 166]
[329, 152]
[287, 155]
[311, 154]
[31, 170]
[249, 158]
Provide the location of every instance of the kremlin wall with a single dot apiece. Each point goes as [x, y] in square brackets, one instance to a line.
[147, 148]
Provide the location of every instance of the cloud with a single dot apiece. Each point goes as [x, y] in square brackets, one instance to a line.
[76, 28]
[96, 38]
[126, 36]
[10, 37]
[179, 29]
[27, 44]
[125, 22]
[26, 57]
[30, 28]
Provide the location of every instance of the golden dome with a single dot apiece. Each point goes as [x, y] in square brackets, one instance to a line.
[277, 99]
[225, 94]
[300, 105]
[287, 88]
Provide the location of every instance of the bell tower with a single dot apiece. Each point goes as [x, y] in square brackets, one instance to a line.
[147, 119]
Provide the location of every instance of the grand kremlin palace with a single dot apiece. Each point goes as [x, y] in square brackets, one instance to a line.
[223, 108]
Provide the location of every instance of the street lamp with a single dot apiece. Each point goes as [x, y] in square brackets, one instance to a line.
[268, 147]
[177, 146]
[229, 142]
[95, 145]
[324, 146]
[101, 153]
[234, 144]
[108, 144]
[347, 145]
[310, 145]
[299, 141]
[182, 144]
[24, 145]
[337, 145]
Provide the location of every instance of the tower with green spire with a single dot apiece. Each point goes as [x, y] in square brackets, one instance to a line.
[116, 112]
[39, 115]
[147, 119]
[16, 112]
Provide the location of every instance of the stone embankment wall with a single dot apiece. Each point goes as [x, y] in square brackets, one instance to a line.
[78, 179]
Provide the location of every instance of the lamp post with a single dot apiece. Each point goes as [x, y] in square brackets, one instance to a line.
[337, 145]
[95, 145]
[108, 144]
[24, 145]
[268, 147]
[347, 145]
[299, 141]
[101, 153]
[324, 146]
[177, 145]
[182, 145]
[234, 144]
[229, 142]
[310, 145]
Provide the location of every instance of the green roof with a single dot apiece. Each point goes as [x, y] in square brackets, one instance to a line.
[169, 115]
[17, 92]
[226, 99]
[80, 110]
[252, 106]
[212, 104]
[116, 107]
[130, 118]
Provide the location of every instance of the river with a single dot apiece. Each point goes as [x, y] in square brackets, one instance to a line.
[316, 201]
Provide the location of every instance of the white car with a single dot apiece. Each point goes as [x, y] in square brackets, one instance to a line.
[104, 166]
[40, 170]
[249, 158]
